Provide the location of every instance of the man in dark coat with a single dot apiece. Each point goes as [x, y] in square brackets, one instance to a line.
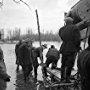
[17, 53]
[4, 77]
[3, 72]
[52, 58]
[37, 53]
[83, 64]
[25, 57]
[70, 36]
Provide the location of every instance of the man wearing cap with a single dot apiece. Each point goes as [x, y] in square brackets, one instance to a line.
[37, 53]
[25, 57]
[70, 36]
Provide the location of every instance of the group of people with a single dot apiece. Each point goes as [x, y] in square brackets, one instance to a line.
[27, 55]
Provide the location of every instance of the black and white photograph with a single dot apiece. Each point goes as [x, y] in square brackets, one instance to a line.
[44, 44]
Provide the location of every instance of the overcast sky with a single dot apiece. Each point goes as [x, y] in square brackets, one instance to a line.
[19, 15]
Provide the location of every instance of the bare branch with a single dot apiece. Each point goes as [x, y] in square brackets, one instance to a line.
[22, 2]
[16, 1]
[25, 4]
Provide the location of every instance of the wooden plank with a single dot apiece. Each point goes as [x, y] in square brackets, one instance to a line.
[54, 72]
[63, 84]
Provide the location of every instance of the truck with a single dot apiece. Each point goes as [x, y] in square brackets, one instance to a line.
[80, 12]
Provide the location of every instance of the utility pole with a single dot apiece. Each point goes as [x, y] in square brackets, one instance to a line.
[38, 26]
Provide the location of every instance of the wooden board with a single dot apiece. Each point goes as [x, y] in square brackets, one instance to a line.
[54, 72]
[57, 73]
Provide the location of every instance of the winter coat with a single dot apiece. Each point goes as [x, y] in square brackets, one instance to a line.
[25, 55]
[4, 77]
[17, 52]
[70, 36]
[83, 64]
[38, 52]
[3, 72]
[53, 52]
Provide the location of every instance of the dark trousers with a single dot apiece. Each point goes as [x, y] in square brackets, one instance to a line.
[35, 66]
[17, 63]
[67, 65]
[27, 70]
[50, 60]
[85, 84]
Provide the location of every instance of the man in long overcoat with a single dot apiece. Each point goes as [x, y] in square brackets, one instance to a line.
[25, 57]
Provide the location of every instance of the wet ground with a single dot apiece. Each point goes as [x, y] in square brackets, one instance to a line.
[17, 82]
